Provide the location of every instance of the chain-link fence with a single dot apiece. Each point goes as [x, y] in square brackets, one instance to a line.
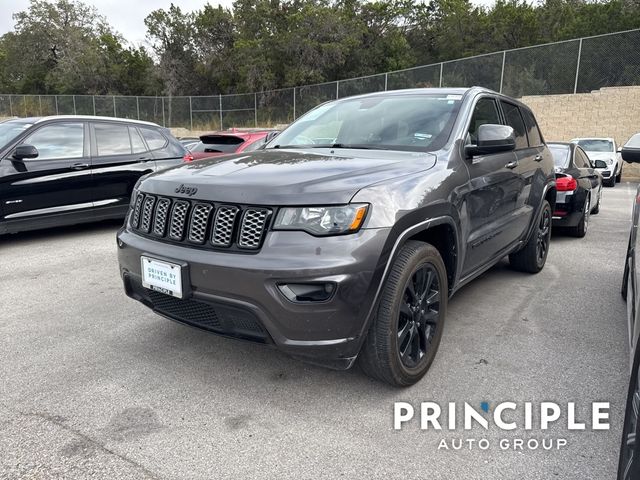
[573, 66]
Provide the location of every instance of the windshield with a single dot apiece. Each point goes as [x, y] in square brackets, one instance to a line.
[593, 145]
[409, 122]
[10, 130]
[560, 155]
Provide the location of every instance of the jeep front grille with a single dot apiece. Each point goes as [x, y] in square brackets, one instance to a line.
[160, 220]
[135, 218]
[252, 227]
[194, 222]
[178, 217]
[147, 210]
[223, 226]
[199, 223]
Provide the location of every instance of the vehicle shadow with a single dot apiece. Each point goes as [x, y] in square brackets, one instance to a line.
[57, 233]
[208, 359]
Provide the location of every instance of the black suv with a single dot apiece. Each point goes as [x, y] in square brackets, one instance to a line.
[346, 235]
[71, 169]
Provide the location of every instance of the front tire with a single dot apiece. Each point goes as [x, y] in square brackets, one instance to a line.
[619, 176]
[405, 333]
[532, 257]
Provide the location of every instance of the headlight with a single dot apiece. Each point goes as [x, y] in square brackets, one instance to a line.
[611, 160]
[322, 220]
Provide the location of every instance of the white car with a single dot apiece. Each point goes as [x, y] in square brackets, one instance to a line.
[603, 149]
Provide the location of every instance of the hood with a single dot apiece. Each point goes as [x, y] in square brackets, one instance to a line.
[606, 156]
[285, 177]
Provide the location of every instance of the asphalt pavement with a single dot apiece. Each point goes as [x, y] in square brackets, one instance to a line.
[94, 385]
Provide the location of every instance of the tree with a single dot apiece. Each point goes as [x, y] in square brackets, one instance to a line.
[172, 35]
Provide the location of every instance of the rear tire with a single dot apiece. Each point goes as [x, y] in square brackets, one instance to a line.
[532, 257]
[596, 209]
[580, 230]
[405, 333]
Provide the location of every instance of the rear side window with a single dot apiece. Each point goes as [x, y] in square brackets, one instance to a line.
[112, 139]
[154, 139]
[486, 111]
[137, 144]
[533, 132]
[560, 155]
[252, 147]
[514, 120]
[58, 141]
[581, 159]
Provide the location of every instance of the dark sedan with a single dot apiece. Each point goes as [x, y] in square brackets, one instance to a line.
[579, 188]
[72, 169]
[629, 467]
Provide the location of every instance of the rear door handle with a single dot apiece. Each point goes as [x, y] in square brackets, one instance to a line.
[79, 166]
[538, 158]
[513, 164]
[144, 159]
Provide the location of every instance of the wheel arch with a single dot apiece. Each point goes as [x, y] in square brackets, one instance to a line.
[441, 235]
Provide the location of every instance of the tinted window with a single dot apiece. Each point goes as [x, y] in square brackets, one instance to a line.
[560, 155]
[581, 160]
[112, 139]
[61, 140]
[10, 130]
[486, 111]
[595, 145]
[533, 132]
[154, 139]
[411, 122]
[514, 120]
[255, 145]
[634, 141]
[215, 147]
[136, 141]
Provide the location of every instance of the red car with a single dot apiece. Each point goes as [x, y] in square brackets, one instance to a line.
[221, 143]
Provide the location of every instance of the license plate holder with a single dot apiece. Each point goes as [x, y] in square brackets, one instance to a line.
[164, 276]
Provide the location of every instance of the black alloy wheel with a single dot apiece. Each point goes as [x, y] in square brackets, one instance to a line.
[406, 330]
[543, 236]
[532, 257]
[419, 315]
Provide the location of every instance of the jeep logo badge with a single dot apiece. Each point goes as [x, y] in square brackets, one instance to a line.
[191, 191]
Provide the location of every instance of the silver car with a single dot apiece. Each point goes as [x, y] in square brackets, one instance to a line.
[603, 149]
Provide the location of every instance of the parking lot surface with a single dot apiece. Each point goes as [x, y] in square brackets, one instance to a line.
[92, 384]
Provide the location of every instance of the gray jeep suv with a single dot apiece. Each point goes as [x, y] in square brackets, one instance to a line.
[344, 238]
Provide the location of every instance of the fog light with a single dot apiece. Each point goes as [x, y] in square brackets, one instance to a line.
[120, 243]
[307, 292]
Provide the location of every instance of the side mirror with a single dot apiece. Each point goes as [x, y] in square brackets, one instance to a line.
[25, 151]
[631, 155]
[619, 149]
[599, 164]
[492, 138]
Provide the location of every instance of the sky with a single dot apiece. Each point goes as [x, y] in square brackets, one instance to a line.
[125, 16]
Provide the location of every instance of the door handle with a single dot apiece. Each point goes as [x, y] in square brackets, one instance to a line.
[538, 158]
[144, 159]
[513, 164]
[79, 166]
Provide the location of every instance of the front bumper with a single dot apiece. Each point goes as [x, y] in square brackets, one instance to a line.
[237, 294]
